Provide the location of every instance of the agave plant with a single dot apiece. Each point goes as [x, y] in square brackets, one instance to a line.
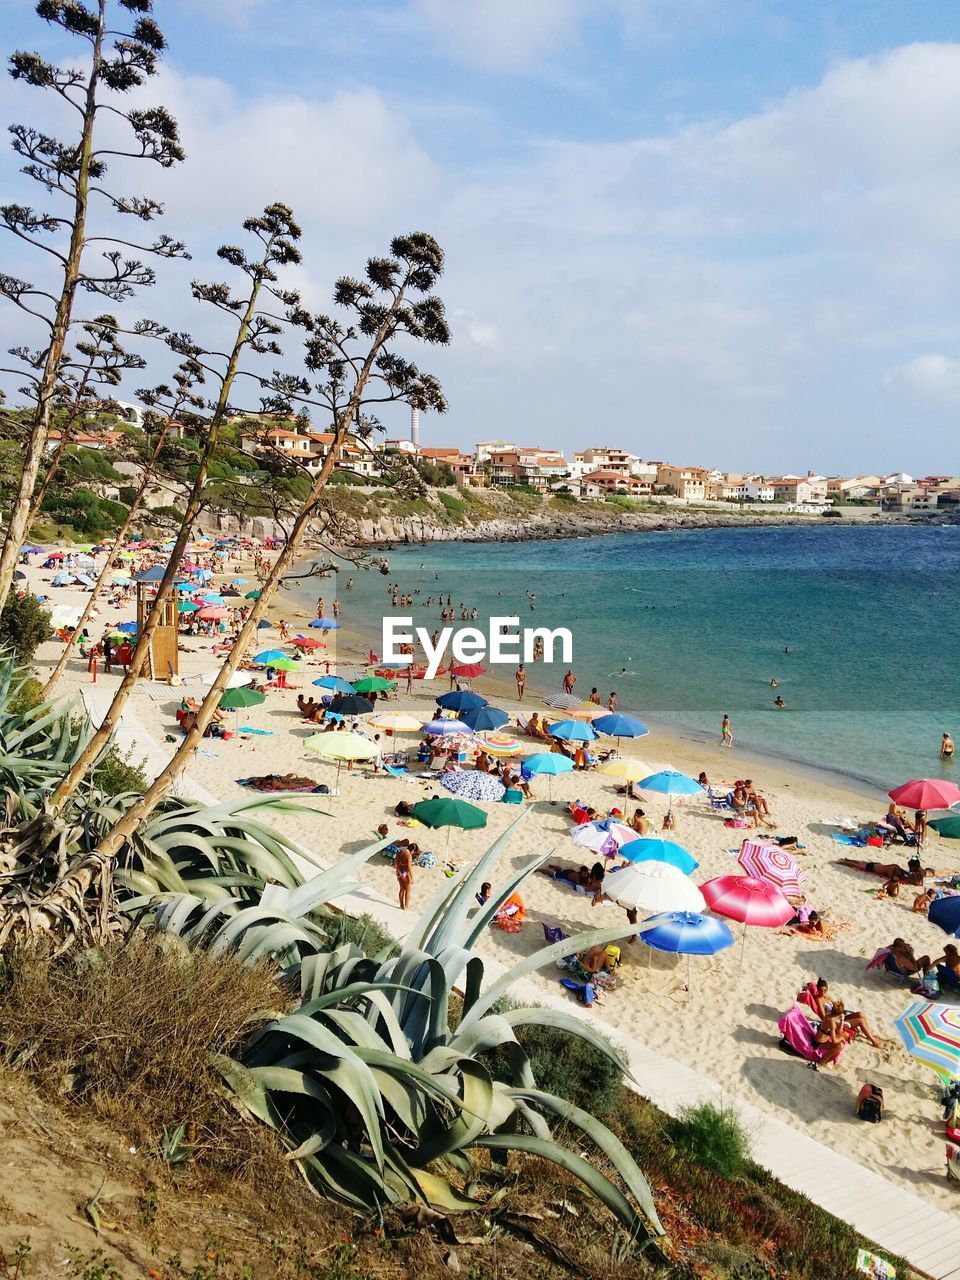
[381, 1099]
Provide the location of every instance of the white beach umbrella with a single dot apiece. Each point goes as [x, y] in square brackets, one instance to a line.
[652, 887]
[239, 679]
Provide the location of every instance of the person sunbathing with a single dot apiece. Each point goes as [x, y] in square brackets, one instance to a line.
[588, 878]
[829, 1037]
[282, 782]
[581, 813]
[902, 962]
[817, 996]
[947, 967]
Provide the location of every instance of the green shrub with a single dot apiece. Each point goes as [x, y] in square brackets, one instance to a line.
[714, 1136]
[117, 774]
[456, 506]
[567, 1066]
[126, 494]
[364, 932]
[88, 513]
[24, 624]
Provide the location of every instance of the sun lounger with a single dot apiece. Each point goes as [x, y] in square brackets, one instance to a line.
[395, 771]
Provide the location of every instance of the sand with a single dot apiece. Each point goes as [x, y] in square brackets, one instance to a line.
[724, 1026]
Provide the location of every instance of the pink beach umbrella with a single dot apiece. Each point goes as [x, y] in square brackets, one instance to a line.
[767, 861]
[212, 613]
[926, 793]
[748, 900]
[604, 836]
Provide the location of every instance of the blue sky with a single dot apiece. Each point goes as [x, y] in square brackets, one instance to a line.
[716, 232]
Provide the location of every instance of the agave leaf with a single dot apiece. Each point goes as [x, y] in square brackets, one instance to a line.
[560, 1020]
[608, 1142]
[440, 1194]
[329, 883]
[473, 1120]
[481, 920]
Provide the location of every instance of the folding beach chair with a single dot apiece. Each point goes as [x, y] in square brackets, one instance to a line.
[720, 803]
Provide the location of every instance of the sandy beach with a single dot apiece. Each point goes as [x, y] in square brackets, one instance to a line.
[724, 1025]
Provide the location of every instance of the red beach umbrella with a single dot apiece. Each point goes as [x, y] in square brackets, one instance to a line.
[468, 670]
[748, 900]
[212, 613]
[305, 642]
[926, 793]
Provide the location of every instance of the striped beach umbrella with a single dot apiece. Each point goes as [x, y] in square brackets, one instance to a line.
[563, 701]
[606, 836]
[767, 861]
[931, 1034]
[499, 744]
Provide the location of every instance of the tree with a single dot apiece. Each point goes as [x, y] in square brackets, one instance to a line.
[358, 368]
[24, 624]
[119, 60]
[176, 402]
[256, 331]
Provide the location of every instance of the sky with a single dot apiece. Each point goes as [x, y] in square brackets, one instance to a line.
[721, 232]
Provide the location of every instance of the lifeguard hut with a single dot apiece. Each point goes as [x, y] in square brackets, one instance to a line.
[163, 655]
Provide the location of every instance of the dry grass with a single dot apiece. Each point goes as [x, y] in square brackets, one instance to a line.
[127, 1033]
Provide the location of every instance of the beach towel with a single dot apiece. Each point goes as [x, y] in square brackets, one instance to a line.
[797, 1032]
[879, 958]
[856, 841]
[261, 733]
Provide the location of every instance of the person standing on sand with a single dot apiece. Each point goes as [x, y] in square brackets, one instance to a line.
[521, 681]
[947, 748]
[403, 869]
[726, 732]
[569, 680]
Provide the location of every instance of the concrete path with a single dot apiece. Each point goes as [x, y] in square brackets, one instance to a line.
[888, 1214]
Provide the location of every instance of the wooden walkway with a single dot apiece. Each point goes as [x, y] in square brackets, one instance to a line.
[890, 1215]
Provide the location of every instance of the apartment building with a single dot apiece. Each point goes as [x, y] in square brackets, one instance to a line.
[689, 483]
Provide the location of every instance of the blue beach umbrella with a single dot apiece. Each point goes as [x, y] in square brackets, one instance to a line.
[264, 625]
[686, 933]
[129, 628]
[549, 763]
[571, 731]
[620, 726]
[482, 718]
[670, 783]
[211, 597]
[446, 728]
[650, 849]
[945, 914]
[335, 683]
[325, 624]
[270, 655]
[461, 700]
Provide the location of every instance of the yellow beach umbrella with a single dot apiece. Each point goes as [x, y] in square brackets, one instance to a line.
[397, 722]
[630, 770]
[341, 746]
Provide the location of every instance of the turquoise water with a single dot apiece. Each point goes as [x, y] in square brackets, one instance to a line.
[701, 619]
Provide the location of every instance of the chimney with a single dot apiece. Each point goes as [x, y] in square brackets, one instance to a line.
[415, 426]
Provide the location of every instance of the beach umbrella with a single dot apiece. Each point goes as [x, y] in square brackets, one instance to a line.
[652, 886]
[767, 861]
[499, 744]
[931, 1034]
[926, 793]
[269, 656]
[253, 595]
[235, 699]
[306, 642]
[572, 731]
[618, 726]
[373, 684]
[549, 763]
[239, 582]
[239, 679]
[120, 578]
[473, 784]
[86, 580]
[264, 625]
[650, 849]
[210, 597]
[605, 835]
[188, 606]
[586, 711]
[671, 783]
[562, 701]
[446, 728]
[686, 933]
[446, 811]
[341, 746]
[485, 718]
[325, 624]
[948, 827]
[396, 722]
[336, 683]
[129, 628]
[468, 671]
[212, 613]
[626, 767]
[285, 664]
[945, 914]
[461, 700]
[750, 901]
[351, 704]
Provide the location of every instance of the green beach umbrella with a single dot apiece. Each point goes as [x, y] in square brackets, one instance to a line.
[949, 826]
[284, 664]
[373, 684]
[341, 746]
[188, 606]
[252, 595]
[234, 699]
[448, 812]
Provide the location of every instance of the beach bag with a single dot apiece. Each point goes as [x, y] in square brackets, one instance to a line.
[870, 1103]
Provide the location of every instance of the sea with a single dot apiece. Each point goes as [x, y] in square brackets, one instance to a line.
[859, 626]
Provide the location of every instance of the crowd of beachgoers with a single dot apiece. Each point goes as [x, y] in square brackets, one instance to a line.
[784, 922]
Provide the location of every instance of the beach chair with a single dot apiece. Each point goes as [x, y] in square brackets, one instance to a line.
[720, 803]
[395, 770]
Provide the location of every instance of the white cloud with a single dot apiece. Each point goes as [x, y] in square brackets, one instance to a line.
[929, 377]
[500, 33]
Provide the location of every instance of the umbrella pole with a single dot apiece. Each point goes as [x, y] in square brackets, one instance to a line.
[743, 947]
